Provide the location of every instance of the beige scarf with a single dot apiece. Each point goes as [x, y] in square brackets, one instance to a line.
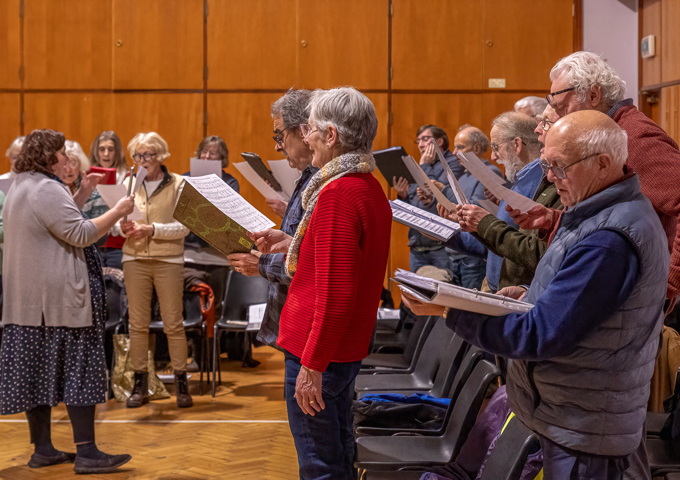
[351, 162]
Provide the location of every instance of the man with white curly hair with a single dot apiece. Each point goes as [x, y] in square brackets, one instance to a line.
[584, 81]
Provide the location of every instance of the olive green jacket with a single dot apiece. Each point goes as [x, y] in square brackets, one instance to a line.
[521, 249]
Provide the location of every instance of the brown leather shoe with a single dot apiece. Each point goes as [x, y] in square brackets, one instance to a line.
[140, 391]
[184, 399]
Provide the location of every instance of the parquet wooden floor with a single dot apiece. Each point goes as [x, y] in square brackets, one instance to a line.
[241, 433]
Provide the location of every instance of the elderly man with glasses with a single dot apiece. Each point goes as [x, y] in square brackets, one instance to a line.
[289, 113]
[584, 81]
[584, 354]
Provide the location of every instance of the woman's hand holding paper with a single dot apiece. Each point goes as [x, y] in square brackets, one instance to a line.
[271, 241]
[420, 308]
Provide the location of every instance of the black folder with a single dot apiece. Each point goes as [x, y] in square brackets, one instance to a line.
[261, 169]
[390, 164]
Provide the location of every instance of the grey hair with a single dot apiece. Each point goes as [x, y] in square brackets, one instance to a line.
[477, 137]
[350, 112]
[293, 107]
[610, 139]
[75, 152]
[584, 70]
[15, 146]
[511, 125]
[536, 104]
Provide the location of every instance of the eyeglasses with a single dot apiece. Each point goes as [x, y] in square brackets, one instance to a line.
[495, 147]
[278, 137]
[147, 156]
[545, 124]
[424, 138]
[561, 172]
[307, 129]
[551, 96]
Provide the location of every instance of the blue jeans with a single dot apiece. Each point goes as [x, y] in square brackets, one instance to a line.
[324, 442]
[438, 258]
[111, 257]
[468, 271]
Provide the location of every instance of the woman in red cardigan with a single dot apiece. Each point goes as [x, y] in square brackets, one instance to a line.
[338, 258]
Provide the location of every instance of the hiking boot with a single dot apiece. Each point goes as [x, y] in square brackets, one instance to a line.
[140, 391]
[184, 399]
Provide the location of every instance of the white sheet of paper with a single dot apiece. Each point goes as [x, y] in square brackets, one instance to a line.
[257, 182]
[477, 168]
[112, 193]
[255, 316]
[285, 175]
[427, 221]
[457, 191]
[423, 180]
[5, 183]
[205, 167]
[139, 179]
[230, 203]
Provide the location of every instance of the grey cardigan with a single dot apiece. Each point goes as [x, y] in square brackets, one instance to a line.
[44, 269]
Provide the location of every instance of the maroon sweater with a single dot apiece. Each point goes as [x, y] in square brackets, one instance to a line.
[333, 299]
[656, 159]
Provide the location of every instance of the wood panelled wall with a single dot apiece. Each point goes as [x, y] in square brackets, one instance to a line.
[660, 75]
[188, 68]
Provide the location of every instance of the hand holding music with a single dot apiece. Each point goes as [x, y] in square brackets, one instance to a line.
[271, 241]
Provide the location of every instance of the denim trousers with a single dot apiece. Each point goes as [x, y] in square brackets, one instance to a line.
[468, 271]
[325, 441]
[438, 258]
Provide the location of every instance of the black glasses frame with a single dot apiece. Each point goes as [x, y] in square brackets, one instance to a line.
[550, 96]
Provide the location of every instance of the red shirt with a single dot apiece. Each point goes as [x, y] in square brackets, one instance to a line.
[655, 157]
[333, 299]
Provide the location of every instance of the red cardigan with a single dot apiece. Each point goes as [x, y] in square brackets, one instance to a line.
[333, 299]
[656, 159]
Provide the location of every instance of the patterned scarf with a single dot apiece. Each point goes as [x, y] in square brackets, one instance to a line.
[338, 167]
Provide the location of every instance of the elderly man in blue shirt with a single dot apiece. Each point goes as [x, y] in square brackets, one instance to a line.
[583, 356]
[288, 113]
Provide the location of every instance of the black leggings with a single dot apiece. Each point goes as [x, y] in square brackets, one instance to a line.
[82, 422]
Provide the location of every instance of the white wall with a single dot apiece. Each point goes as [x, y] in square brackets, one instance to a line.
[610, 29]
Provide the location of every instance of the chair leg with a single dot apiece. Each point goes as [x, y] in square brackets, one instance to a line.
[215, 357]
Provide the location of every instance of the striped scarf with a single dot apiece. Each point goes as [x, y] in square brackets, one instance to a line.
[351, 162]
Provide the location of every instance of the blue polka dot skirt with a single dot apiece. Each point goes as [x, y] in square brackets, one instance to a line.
[49, 365]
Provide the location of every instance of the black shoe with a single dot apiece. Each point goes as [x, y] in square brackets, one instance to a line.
[140, 391]
[39, 461]
[105, 465]
[184, 399]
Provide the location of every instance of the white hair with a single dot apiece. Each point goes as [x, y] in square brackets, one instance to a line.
[350, 112]
[149, 140]
[611, 140]
[536, 104]
[75, 153]
[15, 147]
[584, 70]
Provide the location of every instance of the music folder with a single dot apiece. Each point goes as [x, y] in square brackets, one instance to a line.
[261, 169]
[390, 164]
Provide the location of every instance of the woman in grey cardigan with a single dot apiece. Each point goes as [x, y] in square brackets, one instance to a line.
[54, 307]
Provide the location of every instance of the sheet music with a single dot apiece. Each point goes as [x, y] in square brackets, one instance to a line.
[5, 183]
[457, 191]
[488, 205]
[257, 182]
[285, 175]
[230, 203]
[425, 183]
[255, 316]
[201, 167]
[486, 177]
[423, 221]
[112, 193]
[139, 179]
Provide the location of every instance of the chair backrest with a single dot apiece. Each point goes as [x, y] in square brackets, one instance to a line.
[242, 292]
[467, 407]
[193, 314]
[435, 348]
[508, 457]
[113, 300]
[419, 333]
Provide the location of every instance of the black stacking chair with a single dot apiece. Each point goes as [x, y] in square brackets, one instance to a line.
[193, 325]
[402, 451]
[434, 372]
[241, 292]
[404, 362]
[116, 321]
[472, 357]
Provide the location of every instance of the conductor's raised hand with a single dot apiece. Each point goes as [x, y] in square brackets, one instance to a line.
[537, 217]
[88, 181]
[448, 214]
[271, 241]
[124, 207]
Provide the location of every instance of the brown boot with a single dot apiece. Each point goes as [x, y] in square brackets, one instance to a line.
[184, 399]
[140, 391]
